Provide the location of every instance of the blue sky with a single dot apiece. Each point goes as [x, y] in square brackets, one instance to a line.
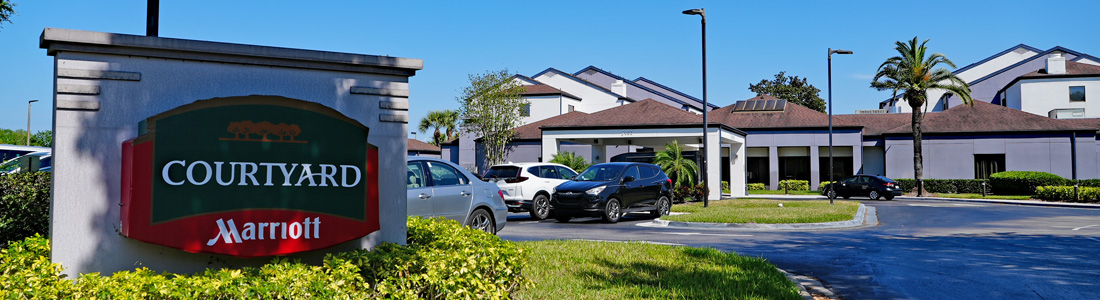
[747, 40]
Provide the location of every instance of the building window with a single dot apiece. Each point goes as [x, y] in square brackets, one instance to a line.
[1077, 93]
[758, 170]
[571, 108]
[842, 167]
[987, 164]
[526, 110]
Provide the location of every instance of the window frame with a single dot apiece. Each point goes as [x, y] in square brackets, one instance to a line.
[1084, 95]
[463, 180]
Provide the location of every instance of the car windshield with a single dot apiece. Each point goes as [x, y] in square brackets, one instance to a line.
[503, 172]
[600, 173]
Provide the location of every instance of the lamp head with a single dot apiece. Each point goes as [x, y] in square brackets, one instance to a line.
[696, 11]
[838, 51]
[32, 101]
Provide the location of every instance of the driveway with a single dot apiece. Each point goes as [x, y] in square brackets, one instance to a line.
[919, 250]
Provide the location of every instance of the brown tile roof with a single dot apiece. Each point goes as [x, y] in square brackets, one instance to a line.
[792, 116]
[417, 145]
[987, 117]
[642, 113]
[1093, 123]
[532, 131]
[876, 124]
[1072, 68]
[542, 89]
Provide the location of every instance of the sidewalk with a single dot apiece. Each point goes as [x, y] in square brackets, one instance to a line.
[989, 201]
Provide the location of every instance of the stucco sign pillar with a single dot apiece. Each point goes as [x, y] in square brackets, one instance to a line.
[180, 155]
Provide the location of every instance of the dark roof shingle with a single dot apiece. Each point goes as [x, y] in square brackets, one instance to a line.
[417, 145]
[792, 116]
[642, 113]
[988, 117]
[532, 131]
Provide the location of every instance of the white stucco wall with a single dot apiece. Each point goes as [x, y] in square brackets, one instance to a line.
[594, 99]
[1039, 96]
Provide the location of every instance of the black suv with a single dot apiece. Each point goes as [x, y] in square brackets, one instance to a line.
[609, 190]
[864, 185]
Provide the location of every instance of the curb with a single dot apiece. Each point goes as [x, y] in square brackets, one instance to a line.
[863, 215]
[986, 201]
[1012, 202]
[809, 286]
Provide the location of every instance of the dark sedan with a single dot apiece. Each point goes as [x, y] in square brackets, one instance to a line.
[870, 186]
[609, 190]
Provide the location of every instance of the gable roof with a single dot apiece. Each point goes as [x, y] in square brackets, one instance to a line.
[791, 117]
[643, 113]
[994, 56]
[697, 104]
[646, 80]
[532, 131]
[417, 145]
[876, 124]
[1072, 68]
[542, 89]
[987, 117]
[585, 82]
[1078, 55]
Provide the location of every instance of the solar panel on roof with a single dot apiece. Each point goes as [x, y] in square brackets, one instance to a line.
[760, 105]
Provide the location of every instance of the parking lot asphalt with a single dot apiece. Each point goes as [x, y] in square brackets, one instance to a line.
[920, 249]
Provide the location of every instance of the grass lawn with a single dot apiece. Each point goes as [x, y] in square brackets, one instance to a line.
[979, 196]
[766, 211]
[780, 192]
[605, 270]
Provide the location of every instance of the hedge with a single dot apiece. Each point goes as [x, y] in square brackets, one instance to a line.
[443, 260]
[794, 185]
[950, 186]
[726, 187]
[823, 184]
[757, 187]
[24, 206]
[1022, 182]
[1065, 193]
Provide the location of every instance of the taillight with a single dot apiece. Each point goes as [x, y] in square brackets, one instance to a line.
[501, 193]
[516, 180]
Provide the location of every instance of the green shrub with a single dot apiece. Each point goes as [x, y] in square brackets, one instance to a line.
[725, 187]
[1022, 182]
[24, 206]
[1087, 182]
[794, 185]
[823, 184]
[757, 187]
[947, 186]
[1065, 193]
[442, 260]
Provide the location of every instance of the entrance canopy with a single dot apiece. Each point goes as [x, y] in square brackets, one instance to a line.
[649, 123]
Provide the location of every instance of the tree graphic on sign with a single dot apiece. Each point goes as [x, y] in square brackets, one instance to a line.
[263, 129]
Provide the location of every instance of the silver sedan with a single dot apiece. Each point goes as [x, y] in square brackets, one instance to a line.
[439, 188]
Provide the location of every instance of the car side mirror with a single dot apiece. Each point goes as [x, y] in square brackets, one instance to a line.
[628, 179]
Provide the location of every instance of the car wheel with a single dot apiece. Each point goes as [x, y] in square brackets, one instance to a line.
[540, 207]
[612, 211]
[873, 195]
[481, 220]
[662, 208]
[562, 218]
[831, 194]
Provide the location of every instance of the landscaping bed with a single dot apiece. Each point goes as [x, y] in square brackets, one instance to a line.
[781, 192]
[766, 211]
[604, 270]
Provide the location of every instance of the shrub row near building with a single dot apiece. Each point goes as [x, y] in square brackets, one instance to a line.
[794, 185]
[24, 206]
[443, 260]
[1065, 193]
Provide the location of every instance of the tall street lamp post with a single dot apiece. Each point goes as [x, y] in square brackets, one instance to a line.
[832, 194]
[702, 12]
[29, 121]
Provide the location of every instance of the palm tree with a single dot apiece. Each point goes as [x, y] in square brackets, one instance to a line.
[446, 120]
[672, 161]
[571, 160]
[914, 72]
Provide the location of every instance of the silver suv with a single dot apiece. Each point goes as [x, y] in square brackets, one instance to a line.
[439, 188]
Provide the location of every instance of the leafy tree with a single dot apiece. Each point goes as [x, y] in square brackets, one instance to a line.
[791, 88]
[490, 109]
[914, 72]
[19, 137]
[445, 120]
[571, 160]
[681, 170]
[7, 8]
